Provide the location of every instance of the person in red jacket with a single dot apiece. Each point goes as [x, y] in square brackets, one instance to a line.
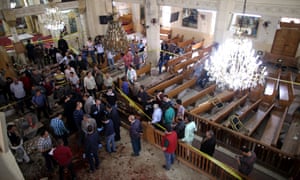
[63, 155]
[169, 144]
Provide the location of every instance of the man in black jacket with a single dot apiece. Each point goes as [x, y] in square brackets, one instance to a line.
[113, 114]
[208, 144]
[98, 111]
[63, 45]
[91, 148]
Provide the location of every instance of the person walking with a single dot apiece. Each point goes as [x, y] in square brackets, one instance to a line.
[135, 134]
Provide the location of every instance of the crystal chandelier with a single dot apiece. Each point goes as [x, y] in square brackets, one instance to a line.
[115, 38]
[53, 19]
[234, 64]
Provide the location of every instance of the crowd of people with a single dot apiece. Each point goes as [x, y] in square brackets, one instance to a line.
[76, 85]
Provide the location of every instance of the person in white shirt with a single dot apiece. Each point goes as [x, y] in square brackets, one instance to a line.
[189, 132]
[91, 50]
[157, 114]
[60, 60]
[68, 70]
[108, 80]
[90, 84]
[110, 59]
[74, 80]
[88, 102]
[131, 75]
[17, 88]
[100, 52]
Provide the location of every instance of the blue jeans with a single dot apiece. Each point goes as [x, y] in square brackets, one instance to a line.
[110, 143]
[170, 157]
[111, 63]
[91, 157]
[92, 54]
[136, 146]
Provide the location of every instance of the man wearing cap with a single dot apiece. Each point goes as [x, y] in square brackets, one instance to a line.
[169, 144]
[246, 160]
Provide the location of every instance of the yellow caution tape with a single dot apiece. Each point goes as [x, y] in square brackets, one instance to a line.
[218, 163]
[281, 80]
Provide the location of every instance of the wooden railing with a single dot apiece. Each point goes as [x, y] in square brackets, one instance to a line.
[269, 156]
[193, 158]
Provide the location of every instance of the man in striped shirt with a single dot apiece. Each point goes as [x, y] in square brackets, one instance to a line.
[59, 129]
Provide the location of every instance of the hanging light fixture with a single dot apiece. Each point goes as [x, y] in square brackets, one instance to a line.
[234, 64]
[54, 19]
[115, 39]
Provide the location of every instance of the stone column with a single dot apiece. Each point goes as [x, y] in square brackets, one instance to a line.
[82, 18]
[152, 30]
[136, 14]
[223, 20]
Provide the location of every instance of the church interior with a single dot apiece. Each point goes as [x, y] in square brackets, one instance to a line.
[233, 65]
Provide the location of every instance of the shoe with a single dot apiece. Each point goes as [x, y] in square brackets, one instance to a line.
[90, 171]
[135, 155]
[114, 151]
[97, 167]
[165, 167]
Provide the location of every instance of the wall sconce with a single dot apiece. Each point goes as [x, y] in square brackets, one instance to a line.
[266, 24]
[153, 21]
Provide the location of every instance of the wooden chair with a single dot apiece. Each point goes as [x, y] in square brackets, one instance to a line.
[236, 124]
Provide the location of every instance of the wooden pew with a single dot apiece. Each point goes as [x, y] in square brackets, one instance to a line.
[274, 126]
[200, 95]
[178, 59]
[165, 84]
[176, 39]
[146, 69]
[256, 93]
[182, 87]
[291, 143]
[198, 45]
[244, 112]
[223, 113]
[271, 88]
[257, 119]
[165, 34]
[207, 105]
[186, 43]
[185, 64]
[286, 90]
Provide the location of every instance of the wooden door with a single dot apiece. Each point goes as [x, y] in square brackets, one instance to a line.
[286, 42]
